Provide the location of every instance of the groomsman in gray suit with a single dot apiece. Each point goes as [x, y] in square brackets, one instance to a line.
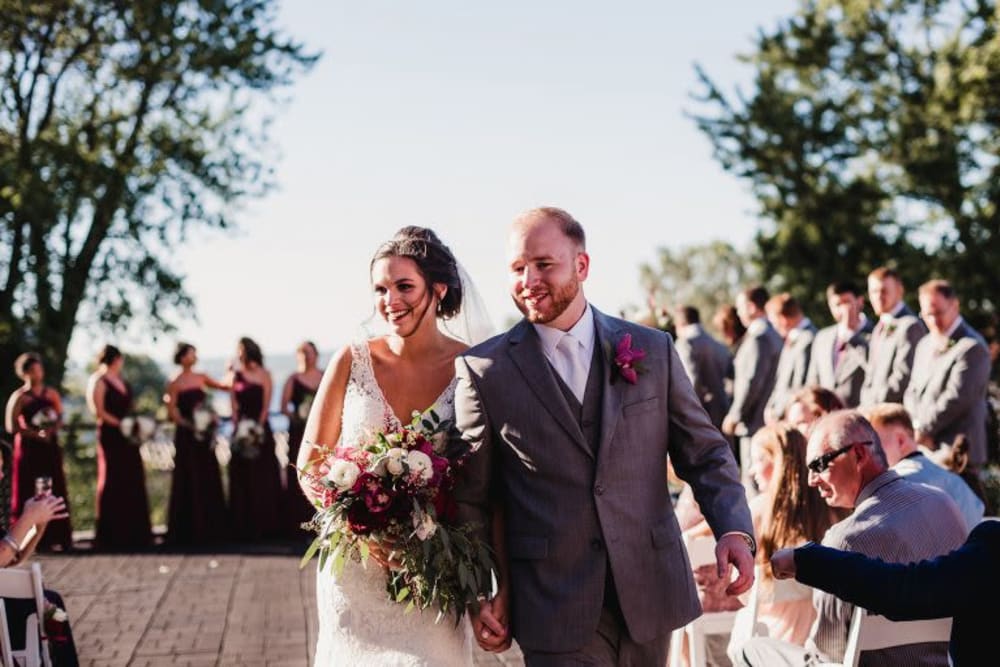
[786, 315]
[840, 351]
[893, 341]
[707, 361]
[756, 364]
[892, 519]
[570, 416]
[951, 372]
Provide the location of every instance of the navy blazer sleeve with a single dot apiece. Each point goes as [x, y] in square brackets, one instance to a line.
[940, 587]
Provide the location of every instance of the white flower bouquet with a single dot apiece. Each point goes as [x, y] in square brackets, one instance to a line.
[138, 429]
[396, 491]
[248, 436]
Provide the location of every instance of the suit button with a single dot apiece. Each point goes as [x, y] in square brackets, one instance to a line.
[599, 490]
[596, 544]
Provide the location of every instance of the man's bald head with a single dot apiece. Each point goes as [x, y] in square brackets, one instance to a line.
[550, 215]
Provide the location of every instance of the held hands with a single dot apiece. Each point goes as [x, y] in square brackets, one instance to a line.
[40, 510]
[733, 550]
[490, 624]
[383, 553]
[783, 564]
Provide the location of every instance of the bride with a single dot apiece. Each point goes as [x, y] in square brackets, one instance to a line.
[371, 386]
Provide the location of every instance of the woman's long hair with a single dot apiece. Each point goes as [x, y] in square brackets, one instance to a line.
[798, 512]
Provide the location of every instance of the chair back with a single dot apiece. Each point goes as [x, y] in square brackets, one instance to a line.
[870, 632]
[24, 583]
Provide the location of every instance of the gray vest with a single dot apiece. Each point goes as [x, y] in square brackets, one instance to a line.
[588, 415]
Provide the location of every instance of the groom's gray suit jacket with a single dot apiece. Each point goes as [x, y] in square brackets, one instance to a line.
[578, 508]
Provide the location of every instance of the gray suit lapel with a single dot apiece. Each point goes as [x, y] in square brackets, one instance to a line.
[526, 351]
[611, 400]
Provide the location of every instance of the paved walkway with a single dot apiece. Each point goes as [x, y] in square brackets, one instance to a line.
[150, 609]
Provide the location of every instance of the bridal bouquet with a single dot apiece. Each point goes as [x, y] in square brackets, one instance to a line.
[247, 439]
[205, 422]
[395, 491]
[138, 429]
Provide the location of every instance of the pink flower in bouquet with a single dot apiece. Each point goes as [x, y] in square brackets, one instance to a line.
[627, 359]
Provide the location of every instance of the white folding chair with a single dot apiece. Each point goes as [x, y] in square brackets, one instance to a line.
[870, 632]
[24, 584]
[701, 551]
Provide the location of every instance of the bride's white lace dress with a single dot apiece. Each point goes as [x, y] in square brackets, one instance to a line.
[358, 625]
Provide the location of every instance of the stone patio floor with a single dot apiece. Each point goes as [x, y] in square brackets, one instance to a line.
[193, 609]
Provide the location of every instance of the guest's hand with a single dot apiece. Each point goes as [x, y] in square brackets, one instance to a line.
[783, 564]
[490, 624]
[734, 550]
[729, 426]
[39, 511]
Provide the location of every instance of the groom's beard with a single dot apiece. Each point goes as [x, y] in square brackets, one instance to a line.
[559, 299]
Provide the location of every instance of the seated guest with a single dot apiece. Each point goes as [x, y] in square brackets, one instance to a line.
[960, 584]
[892, 423]
[892, 519]
[809, 404]
[785, 513]
[16, 546]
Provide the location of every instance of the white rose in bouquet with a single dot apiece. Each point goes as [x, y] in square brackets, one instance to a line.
[395, 460]
[420, 463]
[343, 474]
[146, 427]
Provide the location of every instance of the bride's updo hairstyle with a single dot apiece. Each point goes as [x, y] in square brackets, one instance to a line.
[434, 261]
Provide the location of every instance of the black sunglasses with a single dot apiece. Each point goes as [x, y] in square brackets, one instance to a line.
[823, 461]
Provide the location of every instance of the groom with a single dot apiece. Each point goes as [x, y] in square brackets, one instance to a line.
[570, 439]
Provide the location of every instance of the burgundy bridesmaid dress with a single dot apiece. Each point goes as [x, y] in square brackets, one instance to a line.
[38, 457]
[122, 505]
[197, 511]
[254, 482]
[296, 508]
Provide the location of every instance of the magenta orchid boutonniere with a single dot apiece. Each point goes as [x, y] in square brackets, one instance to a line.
[627, 360]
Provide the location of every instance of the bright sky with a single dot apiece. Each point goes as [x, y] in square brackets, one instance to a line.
[458, 116]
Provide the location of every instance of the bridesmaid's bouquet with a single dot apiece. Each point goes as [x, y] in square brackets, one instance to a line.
[44, 419]
[138, 429]
[205, 421]
[247, 439]
[302, 414]
[395, 492]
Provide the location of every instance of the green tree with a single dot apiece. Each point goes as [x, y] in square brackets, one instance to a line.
[704, 276]
[123, 125]
[871, 136]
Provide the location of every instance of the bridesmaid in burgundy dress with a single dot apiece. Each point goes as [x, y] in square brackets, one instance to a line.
[122, 505]
[197, 512]
[254, 481]
[34, 415]
[296, 401]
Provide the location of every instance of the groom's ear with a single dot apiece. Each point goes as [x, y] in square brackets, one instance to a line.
[582, 265]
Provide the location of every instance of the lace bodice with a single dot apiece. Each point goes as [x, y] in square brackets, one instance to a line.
[358, 625]
[366, 411]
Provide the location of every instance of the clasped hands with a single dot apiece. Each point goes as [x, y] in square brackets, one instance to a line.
[491, 623]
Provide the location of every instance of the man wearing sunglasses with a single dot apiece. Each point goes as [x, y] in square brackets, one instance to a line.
[892, 519]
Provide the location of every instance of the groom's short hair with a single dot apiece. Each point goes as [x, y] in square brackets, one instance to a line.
[567, 223]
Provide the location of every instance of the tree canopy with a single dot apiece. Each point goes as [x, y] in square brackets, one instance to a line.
[871, 136]
[123, 125]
